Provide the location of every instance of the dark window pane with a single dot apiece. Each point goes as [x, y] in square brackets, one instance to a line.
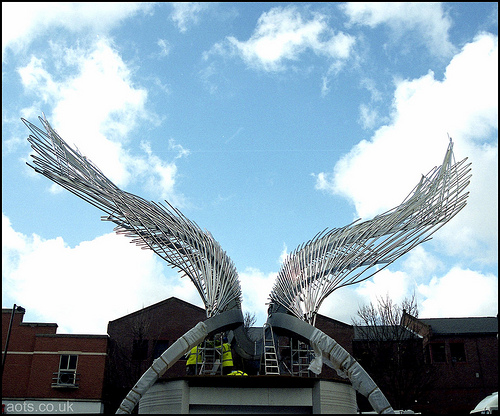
[438, 353]
[160, 347]
[457, 351]
[140, 349]
[64, 361]
[67, 377]
[72, 362]
[427, 355]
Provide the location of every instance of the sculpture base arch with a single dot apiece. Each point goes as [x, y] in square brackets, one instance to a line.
[250, 395]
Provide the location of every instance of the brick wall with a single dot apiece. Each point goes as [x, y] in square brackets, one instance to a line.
[34, 354]
[155, 325]
[459, 386]
[91, 351]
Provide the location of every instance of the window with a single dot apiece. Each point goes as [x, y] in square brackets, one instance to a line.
[438, 353]
[140, 349]
[457, 352]
[160, 347]
[66, 376]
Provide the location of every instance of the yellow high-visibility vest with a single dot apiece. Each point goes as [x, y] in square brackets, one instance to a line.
[237, 373]
[192, 356]
[227, 357]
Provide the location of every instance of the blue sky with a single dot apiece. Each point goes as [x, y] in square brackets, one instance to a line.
[265, 123]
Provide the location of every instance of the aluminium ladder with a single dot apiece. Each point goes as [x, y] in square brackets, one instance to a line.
[271, 366]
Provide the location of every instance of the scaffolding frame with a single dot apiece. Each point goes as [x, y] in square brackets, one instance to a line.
[212, 351]
[300, 357]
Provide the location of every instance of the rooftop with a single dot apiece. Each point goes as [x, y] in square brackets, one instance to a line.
[479, 325]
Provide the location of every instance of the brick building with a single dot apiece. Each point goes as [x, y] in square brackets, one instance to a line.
[136, 339]
[49, 372]
[393, 357]
[463, 353]
[51, 369]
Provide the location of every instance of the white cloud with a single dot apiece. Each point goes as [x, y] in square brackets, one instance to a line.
[395, 284]
[284, 254]
[13, 246]
[162, 175]
[343, 304]
[22, 23]
[82, 288]
[164, 46]
[33, 75]
[282, 39]
[256, 287]
[370, 85]
[368, 116]
[325, 88]
[429, 20]
[186, 13]
[378, 174]
[420, 264]
[96, 107]
[282, 34]
[460, 293]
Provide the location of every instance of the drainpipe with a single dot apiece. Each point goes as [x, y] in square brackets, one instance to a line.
[15, 307]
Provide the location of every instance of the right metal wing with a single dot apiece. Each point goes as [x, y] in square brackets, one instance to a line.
[347, 255]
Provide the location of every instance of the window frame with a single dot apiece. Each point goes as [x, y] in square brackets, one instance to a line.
[68, 364]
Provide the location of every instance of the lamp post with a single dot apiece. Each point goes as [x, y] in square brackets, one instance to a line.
[14, 308]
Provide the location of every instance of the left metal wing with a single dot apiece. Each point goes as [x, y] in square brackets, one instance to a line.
[161, 228]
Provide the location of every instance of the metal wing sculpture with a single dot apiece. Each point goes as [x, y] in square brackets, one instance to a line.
[346, 256]
[161, 228]
[330, 260]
